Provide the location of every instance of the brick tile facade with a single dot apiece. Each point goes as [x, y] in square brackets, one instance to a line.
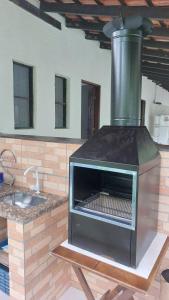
[33, 273]
[51, 158]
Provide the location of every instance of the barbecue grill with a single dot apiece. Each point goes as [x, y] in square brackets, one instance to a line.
[114, 176]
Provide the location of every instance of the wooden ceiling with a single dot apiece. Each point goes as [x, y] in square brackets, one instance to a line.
[91, 15]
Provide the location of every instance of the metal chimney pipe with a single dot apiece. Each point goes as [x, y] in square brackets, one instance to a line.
[126, 35]
[126, 77]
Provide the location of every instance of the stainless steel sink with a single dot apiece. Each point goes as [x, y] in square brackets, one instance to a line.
[23, 200]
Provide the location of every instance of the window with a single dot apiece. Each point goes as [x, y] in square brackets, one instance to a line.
[60, 102]
[143, 112]
[23, 96]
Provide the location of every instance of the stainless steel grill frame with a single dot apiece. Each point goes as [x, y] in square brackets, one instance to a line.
[107, 205]
[122, 222]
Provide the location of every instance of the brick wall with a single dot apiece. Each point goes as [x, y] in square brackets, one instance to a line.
[51, 158]
[163, 215]
[3, 229]
[34, 275]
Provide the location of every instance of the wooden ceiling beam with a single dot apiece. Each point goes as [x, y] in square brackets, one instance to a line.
[160, 12]
[146, 43]
[89, 26]
[24, 4]
[152, 72]
[156, 44]
[155, 66]
[145, 57]
[165, 85]
[155, 71]
[97, 37]
[147, 54]
[85, 25]
[158, 81]
[105, 46]
[156, 53]
[157, 76]
[155, 59]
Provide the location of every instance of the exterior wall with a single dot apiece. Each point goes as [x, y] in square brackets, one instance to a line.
[153, 93]
[163, 216]
[51, 52]
[33, 273]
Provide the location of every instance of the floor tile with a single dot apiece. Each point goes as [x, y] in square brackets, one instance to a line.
[73, 294]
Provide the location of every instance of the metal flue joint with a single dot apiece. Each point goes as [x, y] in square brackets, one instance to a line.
[126, 38]
[131, 22]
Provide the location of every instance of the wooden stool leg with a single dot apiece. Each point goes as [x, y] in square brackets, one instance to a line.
[83, 283]
[111, 294]
[127, 295]
[105, 296]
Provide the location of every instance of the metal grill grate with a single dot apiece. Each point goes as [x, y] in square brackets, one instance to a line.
[109, 205]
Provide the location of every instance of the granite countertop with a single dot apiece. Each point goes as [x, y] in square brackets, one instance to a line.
[26, 215]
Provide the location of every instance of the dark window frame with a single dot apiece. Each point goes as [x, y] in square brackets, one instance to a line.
[64, 103]
[142, 112]
[30, 98]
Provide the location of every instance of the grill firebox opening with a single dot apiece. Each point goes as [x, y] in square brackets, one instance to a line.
[103, 193]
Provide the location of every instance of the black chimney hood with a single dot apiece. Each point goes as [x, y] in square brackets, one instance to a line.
[123, 146]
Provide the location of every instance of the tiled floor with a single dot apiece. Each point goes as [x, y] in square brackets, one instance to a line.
[73, 294]
[70, 294]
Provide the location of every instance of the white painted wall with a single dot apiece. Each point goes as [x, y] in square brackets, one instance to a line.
[153, 93]
[29, 40]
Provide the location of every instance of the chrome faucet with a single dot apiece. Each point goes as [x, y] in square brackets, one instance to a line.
[35, 187]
